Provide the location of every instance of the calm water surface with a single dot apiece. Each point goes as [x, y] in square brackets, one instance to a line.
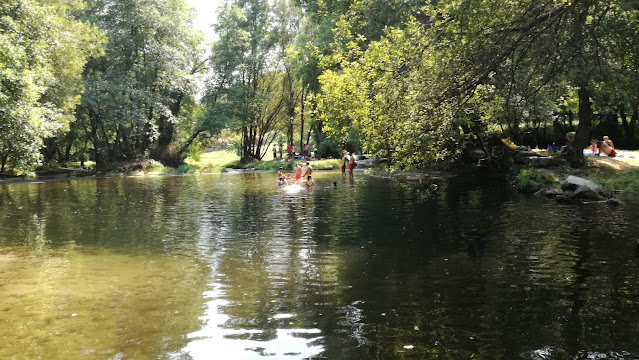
[231, 267]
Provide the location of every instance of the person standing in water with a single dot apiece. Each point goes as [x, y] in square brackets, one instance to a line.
[309, 182]
[351, 165]
[297, 171]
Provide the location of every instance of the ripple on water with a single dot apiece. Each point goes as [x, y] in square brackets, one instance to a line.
[232, 266]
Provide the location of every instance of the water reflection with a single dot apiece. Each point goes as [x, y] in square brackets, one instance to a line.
[231, 266]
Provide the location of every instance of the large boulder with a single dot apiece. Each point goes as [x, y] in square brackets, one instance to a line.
[580, 188]
[575, 182]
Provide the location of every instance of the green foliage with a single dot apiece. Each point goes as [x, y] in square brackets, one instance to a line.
[272, 165]
[143, 85]
[329, 164]
[329, 148]
[449, 75]
[613, 180]
[244, 90]
[187, 169]
[531, 180]
[43, 49]
[153, 166]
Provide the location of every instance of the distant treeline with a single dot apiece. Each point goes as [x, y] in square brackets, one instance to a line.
[416, 82]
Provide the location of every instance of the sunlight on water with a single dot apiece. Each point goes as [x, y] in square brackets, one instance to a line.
[231, 266]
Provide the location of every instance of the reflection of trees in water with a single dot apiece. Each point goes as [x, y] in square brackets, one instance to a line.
[477, 271]
[100, 249]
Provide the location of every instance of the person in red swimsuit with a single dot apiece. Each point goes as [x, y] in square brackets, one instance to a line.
[605, 148]
[297, 171]
[351, 165]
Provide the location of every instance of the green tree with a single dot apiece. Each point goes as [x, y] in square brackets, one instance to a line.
[43, 48]
[250, 85]
[135, 93]
[446, 79]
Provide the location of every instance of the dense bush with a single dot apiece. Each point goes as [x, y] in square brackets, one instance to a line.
[531, 180]
[329, 148]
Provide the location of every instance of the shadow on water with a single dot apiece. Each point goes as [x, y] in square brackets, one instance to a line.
[232, 266]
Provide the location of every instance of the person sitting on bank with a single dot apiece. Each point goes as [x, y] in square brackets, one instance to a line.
[607, 140]
[605, 148]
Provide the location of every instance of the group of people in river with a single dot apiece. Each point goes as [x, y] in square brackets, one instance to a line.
[301, 173]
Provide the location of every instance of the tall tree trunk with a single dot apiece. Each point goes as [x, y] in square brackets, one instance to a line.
[570, 119]
[624, 121]
[290, 106]
[302, 123]
[95, 139]
[576, 154]
[167, 128]
[3, 162]
[188, 143]
[245, 138]
[70, 137]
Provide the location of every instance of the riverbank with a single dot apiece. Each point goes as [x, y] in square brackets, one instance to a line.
[619, 174]
[616, 174]
[213, 162]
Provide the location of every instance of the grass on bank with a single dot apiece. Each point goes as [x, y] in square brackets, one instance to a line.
[531, 180]
[619, 174]
[611, 174]
[269, 165]
[217, 161]
[626, 181]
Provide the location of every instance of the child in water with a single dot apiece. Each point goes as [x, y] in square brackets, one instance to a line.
[281, 181]
[309, 182]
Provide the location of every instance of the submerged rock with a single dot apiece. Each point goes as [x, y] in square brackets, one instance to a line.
[614, 202]
[586, 193]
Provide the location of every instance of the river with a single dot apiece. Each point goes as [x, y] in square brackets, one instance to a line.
[229, 266]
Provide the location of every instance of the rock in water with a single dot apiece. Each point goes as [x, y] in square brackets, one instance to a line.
[586, 193]
[614, 202]
[575, 182]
